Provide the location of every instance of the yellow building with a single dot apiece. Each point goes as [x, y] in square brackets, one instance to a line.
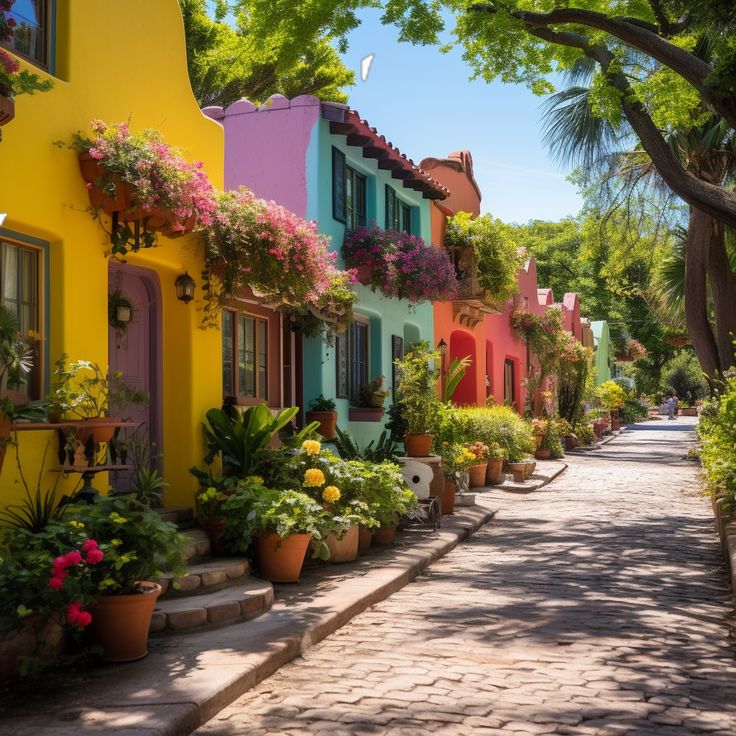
[114, 61]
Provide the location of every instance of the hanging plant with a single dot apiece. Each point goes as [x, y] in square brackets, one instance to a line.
[284, 259]
[120, 312]
[143, 183]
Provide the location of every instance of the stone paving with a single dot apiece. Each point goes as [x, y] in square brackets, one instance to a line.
[598, 605]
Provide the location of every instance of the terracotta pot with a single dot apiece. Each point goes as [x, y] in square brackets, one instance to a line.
[365, 537]
[530, 466]
[101, 428]
[494, 471]
[214, 528]
[448, 496]
[6, 432]
[7, 110]
[477, 475]
[364, 274]
[280, 559]
[689, 411]
[543, 453]
[345, 549]
[615, 421]
[518, 470]
[186, 226]
[120, 623]
[99, 199]
[327, 423]
[365, 414]
[571, 442]
[418, 445]
[40, 637]
[384, 535]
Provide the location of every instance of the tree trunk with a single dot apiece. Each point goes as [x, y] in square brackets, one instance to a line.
[723, 291]
[696, 295]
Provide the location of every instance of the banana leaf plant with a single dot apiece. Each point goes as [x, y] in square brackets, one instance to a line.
[238, 438]
[455, 373]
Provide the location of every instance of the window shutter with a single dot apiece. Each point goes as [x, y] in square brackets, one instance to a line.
[338, 184]
[390, 204]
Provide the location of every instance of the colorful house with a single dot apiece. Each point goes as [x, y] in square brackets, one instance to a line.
[603, 358]
[54, 272]
[325, 163]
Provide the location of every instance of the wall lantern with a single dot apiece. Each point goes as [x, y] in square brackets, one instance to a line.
[185, 288]
[442, 347]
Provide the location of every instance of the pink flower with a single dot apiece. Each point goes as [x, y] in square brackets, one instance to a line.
[56, 583]
[77, 617]
[72, 558]
[94, 556]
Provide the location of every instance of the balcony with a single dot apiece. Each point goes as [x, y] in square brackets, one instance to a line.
[472, 304]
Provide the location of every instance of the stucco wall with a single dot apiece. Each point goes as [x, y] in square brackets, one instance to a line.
[117, 62]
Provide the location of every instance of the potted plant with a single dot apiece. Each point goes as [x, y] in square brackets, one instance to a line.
[120, 312]
[417, 395]
[494, 469]
[539, 428]
[137, 546]
[281, 523]
[324, 411]
[210, 515]
[478, 470]
[456, 460]
[371, 397]
[611, 397]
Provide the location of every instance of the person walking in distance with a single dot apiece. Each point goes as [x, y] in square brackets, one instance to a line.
[670, 408]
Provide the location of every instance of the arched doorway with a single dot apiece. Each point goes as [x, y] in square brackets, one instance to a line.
[462, 344]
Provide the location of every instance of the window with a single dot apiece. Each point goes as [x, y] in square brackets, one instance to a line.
[244, 356]
[20, 294]
[509, 382]
[398, 214]
[31, 32]
[397, 353]
[348, 192]
[352, 360]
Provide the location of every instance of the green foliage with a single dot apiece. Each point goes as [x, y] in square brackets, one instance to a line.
[610, 395]
[16, 358]
[584, 432]
[455, 373]
[417, 390]
[495, 252]
[272, 47]
[683, 377]
[575, 379]
[495, 424]
[322, 404]
[34, 512]
[238, 437]
[385, 448]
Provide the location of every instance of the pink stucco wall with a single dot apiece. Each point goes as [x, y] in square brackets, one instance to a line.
[571, 319]
[266, 147]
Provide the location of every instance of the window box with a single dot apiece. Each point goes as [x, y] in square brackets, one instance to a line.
[365, 414]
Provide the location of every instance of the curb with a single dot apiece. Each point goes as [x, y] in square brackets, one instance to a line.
[538, 480]
[188, 679]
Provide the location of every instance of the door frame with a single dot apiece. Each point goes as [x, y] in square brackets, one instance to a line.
[152, 284]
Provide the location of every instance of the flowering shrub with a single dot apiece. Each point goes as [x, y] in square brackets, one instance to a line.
[481, 451]
[539, 427]
[252, 242]
[209, 503]
[456, 458]
[167, 193]
[14, 80]
[631, 350]
[402, 266]
[610, 395]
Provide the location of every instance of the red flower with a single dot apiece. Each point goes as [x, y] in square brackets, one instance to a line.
[56, 583]
[94, 556]
[77, 617]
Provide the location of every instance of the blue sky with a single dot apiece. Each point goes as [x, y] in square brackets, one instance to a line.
[497, 123]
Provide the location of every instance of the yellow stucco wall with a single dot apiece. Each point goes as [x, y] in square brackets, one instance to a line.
[115, 61]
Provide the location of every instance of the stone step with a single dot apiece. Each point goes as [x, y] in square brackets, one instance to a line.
[204, 577]
[182, 516]
[232, 604]
[197, 544]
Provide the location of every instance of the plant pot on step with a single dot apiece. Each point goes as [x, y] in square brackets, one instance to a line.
[327, 423]
[494, 471]
[365, 537]
[384, 535]
[418, 445]
[280, 559]
[120, 623]
[448, 496]
[477, 475]
[345, 549]
[518, 471]
[543, 453]
[214, 528]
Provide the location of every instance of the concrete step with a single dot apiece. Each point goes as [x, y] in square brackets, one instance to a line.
[235, 603]
[182, 516]
[197, 545]
[206, 576]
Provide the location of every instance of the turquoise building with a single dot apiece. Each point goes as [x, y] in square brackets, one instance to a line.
[323, 162]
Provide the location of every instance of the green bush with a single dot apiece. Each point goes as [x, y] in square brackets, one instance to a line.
[683, 377]
[499, 424]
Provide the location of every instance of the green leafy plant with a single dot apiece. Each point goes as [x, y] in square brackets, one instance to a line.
[16, 358]
[373, 394]
[322, 404]
[455, 374]
[385, 448]
[456, 458]
[417, 390]
[610, 395]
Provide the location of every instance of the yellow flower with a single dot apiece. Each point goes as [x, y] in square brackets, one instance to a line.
[471, 456]
[331, 494]
[76, 524]
[116, 542]
[255, 479]
[115, 518]
[311, 447]
[314, 478]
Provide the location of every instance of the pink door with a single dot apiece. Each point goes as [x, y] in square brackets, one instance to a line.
[136, 353]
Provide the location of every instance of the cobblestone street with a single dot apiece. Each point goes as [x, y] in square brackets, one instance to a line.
[597, 605]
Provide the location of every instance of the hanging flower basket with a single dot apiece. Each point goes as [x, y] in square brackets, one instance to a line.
[7, 110]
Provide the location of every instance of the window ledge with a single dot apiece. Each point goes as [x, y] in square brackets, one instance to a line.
[365, 414]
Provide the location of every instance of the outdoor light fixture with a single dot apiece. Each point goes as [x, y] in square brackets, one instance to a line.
[3, 215]
[185, 288]
[442, 347]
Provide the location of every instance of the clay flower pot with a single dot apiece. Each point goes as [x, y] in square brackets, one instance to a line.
[214, 528]
[477, 475]
[365, 537]
[123, 199]
[530, 466]
[494, 471]
[120, 623]
[384, 535]
[448, 496]
[7, 110]
[327, 423]
[364, 274]
[543, 453]
[280, 559]
[101, 428]
[518, 470]
[418, 445]
[345, 549]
